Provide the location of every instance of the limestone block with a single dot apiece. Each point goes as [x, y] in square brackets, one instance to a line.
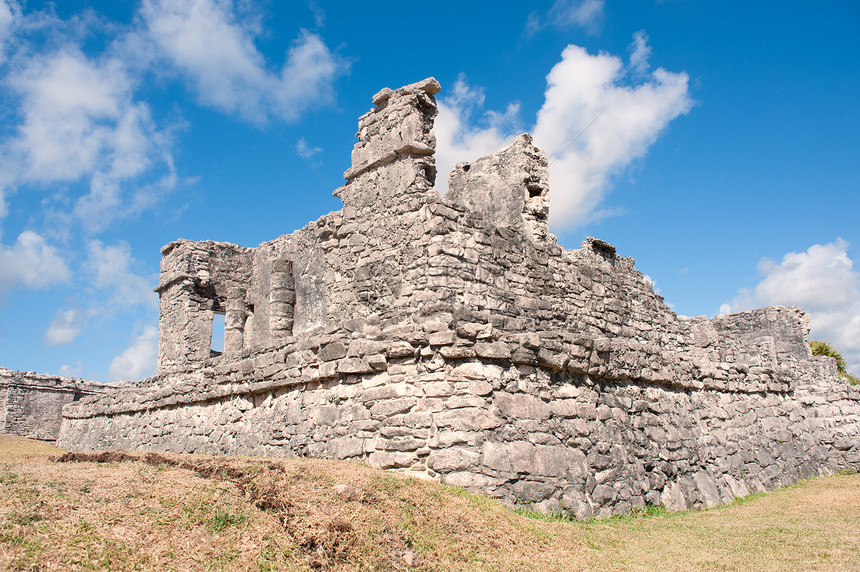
[439, 389]
[708, 491]
[468, 419]
[386, 460]
[480, 387]
[387, 408]
[560, 461]
[521, 406]
[513, 457]
[532, 491]
[469, 480]
[476, 371]
[332, 351]
[603, 495]
[492, 350]
[400, 349]
[400, 444]
[457, 352]
[442, 338]
[353, 365]
[451, 460]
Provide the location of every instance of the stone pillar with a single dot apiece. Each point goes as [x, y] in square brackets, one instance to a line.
[186, 308]
[392, 161]
[184, 326]
[282, 298]
[234, 321]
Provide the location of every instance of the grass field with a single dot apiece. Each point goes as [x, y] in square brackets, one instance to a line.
[184, 512]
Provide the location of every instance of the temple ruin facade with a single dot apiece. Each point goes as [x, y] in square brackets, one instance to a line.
[451, 337]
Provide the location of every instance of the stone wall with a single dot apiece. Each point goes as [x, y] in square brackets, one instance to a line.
[31, 403]
[492, 421]
[452, 337]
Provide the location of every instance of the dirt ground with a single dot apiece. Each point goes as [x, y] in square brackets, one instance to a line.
[149, 511]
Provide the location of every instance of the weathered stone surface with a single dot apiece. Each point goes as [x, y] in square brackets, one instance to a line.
[453, 337]
[451, 460]
[31, 404]
[520, 406]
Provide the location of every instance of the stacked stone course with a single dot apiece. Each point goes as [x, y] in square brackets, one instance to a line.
[31, 403]
[452, 337]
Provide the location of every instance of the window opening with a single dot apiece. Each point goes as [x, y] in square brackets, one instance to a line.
[217, 346]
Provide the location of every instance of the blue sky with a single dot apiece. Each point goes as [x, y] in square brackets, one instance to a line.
[714, 142]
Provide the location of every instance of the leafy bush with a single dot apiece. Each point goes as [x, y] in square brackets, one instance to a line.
[820, 348]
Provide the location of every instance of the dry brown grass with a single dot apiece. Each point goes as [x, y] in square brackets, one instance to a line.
[184, 512]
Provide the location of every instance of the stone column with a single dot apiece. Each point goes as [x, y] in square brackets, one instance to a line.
[282, 298]
[392, 162]
[234, 321]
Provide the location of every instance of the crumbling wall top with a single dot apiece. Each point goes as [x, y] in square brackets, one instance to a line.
[401, 124]
[509, 189]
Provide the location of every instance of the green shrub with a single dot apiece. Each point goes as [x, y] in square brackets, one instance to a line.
[820, 348]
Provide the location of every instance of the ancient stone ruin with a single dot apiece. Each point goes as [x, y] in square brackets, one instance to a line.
[31, 403]
[453, 338]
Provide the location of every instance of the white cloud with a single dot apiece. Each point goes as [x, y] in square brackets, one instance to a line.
[64, 328]
[640, 51]
[214, 48]
[457, 140]
[592, 125]
[306, 151]
[8, 12]
[565, 14]
[4, 208]
[139, 359]
[318, 12]
[72, 370]
[112, 270]
[31, 262]
[80, 121]
[76, 116]
[820, 281]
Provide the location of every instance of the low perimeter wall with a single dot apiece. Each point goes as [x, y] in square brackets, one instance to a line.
[31, 403]
[536, 419]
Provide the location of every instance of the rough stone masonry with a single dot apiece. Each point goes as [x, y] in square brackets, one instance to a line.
[31, 403]
[453, 338]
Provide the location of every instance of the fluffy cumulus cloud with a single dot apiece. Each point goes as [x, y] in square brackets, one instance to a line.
[114, 286]
[76, 370]
[31, 262]
[79, 121]
[112, 270]
[820, 281]
[594, 122]
[65, 327]
[214, 50]
[76, 116]
[565, 14]
[640, 51]
[460, 136]
[139, 359]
